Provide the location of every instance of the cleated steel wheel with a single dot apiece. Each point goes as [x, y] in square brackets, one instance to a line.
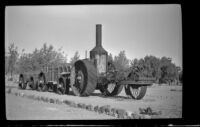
[22, 84]
[83, 78]
[111, 89]
[135, 91]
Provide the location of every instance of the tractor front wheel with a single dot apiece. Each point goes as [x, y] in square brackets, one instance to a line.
[135, 91]
[111, 89]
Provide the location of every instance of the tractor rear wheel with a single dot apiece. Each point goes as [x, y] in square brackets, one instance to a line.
[135, 91]
[22, 84]
[111, 89]
[83, 78]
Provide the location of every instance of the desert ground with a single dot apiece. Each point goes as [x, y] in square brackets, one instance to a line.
[19, 108]
[160, 98]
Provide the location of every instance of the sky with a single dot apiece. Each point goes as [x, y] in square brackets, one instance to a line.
[139, 30]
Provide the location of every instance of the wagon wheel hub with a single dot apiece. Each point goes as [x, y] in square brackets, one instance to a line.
[110, 87]
[61, 87]
[135, 92]
[41, 81]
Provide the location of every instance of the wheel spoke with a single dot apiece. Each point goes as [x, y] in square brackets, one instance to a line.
[111, 87]
[135, 91]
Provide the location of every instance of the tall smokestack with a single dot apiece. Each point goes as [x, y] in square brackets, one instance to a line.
[98, 35]
[98, 54]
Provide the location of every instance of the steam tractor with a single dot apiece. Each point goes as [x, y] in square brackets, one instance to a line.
[87, 75]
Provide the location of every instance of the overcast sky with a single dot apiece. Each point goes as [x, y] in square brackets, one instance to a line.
[140, 30]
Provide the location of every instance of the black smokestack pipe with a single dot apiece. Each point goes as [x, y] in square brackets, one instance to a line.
[98, 35]
[98, 49]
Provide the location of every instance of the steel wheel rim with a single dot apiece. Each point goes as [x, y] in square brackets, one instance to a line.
[135, 91]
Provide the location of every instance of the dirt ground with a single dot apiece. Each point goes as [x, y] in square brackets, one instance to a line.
[19, 108]
[167, 99]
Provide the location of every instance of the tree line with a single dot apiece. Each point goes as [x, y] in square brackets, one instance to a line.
[16, 62]
[150, 66]
[162, 69]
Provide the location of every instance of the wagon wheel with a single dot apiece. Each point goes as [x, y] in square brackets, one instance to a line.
[32, 83]
[62, 87]
[136, 92]
[111, 89]
[42, 83]
[83, 78]
[22, 84]
[53, 88]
